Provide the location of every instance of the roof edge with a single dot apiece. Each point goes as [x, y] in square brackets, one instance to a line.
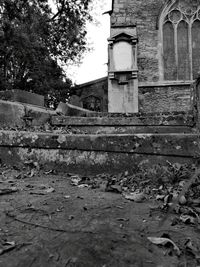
[78, 86]
[110, 11]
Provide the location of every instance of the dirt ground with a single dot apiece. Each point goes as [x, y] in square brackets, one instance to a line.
[48, 222]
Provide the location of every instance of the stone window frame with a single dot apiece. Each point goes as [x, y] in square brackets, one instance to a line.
[168, 7]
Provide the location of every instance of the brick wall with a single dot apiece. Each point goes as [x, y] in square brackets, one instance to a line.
[144, 14]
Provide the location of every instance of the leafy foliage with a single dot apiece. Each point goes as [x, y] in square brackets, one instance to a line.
[34, 36]
[68, 30]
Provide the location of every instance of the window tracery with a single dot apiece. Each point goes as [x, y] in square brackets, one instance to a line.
[181, 40]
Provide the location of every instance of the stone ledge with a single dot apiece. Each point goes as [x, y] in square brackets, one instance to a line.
[165, 83]
[85, 162]
[178, 145]
[94, 154]
[92, 129]
[142, 120]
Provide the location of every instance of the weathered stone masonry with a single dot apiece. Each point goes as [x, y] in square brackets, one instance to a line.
[152, 97]
[144, 15]
[166, 132]
[165, 98]
[144, 19]
[155, 92]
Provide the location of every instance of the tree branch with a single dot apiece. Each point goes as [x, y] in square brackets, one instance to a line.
[60, 11]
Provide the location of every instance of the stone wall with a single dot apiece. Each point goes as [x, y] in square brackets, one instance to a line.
[21, 115]
[153, 97]
[165, 98]
[86, 92]
[94, 154]
[144, 15]
[22, 97]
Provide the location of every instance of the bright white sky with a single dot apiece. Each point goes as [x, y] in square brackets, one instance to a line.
[94, 63]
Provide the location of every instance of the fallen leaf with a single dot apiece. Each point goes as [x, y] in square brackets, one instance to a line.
[137, 197]
[75, 180]
[83, 186]
[50, 190]
[48, 172]
[33, 172]
[168, 199]
[187, 219]
[43, 190]
[190, 246]
[114, 189]
[196, 202]
[164, 241]
[60, 209]
[7, 246]
[182, 183]
[71, 217]
[182, 200]
[126, 173]
[160, 197]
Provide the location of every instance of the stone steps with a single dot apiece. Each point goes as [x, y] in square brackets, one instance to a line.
[89, 154]
[97, 144]
[128, 129]
[173, 123]
[179, 119]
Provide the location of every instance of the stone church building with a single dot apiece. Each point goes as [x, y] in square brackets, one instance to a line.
[153, 58]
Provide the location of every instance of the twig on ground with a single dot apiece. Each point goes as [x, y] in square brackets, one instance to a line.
[45, 227]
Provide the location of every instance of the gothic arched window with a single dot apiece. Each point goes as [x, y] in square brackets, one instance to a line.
[180, 32]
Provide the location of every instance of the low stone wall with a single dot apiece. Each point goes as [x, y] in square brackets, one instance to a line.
[22, 97]
[19, 115]
[97, 153]
[165, 98]
[23, 115]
